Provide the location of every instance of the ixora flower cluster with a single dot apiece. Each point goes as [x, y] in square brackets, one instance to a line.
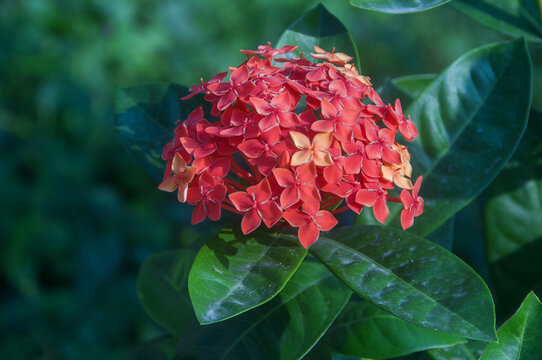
[292, 144]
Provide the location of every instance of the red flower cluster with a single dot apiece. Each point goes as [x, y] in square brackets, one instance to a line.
[290, 144]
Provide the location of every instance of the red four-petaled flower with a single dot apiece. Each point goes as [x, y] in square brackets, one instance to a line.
[291, 141]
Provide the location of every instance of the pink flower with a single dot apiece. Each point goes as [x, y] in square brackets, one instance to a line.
[291, 143]
[310, 221]
[182, 176]
[206, 197]
[413, 204]
[256, 204]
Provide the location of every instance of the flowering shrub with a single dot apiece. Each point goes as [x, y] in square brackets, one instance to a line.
[290, 143]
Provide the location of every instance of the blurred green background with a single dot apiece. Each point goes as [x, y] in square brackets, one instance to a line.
[78, 216]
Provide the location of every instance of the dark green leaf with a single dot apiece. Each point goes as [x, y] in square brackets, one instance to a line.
[466, 134]
[160, 348]
[397, 6]
[444, 235]
[162, 289]
[411, 277]
[321, 28]
[285, 328]
[405, 88]
[145, 117]
[233, 273]
[511, 17]
[520, 338]
[363, 330]
[469, 351]
[513, 221]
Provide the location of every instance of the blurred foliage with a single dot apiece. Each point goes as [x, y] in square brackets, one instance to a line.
[78, 216]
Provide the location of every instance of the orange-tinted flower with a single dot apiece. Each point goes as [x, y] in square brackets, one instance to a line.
[315, 151]
[290, 143]
[181, 177]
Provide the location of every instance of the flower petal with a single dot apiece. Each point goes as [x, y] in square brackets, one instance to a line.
[289, 197]
[183, 190]
[308, 234]
[322, 141]
[213, 210]
[284, 177]
[325, 220]
[366, 197]
[295, 217]
[241, 200]
[325, 126]
[251, 221]
[199, 214]
[169, 184]
[271, 213]
[301, 157]
[380, 210]
[252, 148]
[300, 140]
[261, 191]
[407, 219]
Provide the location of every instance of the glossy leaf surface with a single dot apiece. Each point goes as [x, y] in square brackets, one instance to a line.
[145, 117]
[284, 328]
[471, 350]
[363, 330]
[511, 17]
[162, 286]
[466, 135]
[321, 28]
[411, 277]
[405, 88]
[520, 338]
[513, 220]
[397, 6]
[233, 273]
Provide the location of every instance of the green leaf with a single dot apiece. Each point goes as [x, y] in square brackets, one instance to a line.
[510, 17]
[472, 350]
[513, 220]
[234, 272]
[145, 118]
[397, 6]
[363, 330]
[162, 289]
[444, 235]
[405, 88]
[321, 28]
[520, 338]
[466, 134]
[410, 277]
[159, 348]
[284, 328]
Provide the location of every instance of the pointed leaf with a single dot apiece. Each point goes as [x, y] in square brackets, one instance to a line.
[233, 272]
[145, 118]
[520, 338]
[321, 28]
[512, 17]
[411, 277]
[397, 6]
[363, 330]
[162, 289]
[285, 328]
[466, 135]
